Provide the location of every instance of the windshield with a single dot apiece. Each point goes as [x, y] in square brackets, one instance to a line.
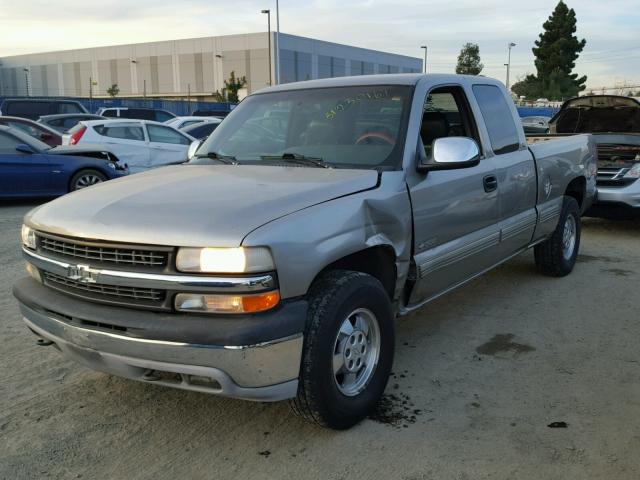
[341, 127]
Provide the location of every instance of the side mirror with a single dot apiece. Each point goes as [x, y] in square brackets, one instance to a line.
[24, 148]
[449, 153]
[193, 148]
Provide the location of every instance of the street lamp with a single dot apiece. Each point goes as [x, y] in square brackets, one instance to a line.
[277, 43]
[268, 13]
[425, 57]
[511, 44]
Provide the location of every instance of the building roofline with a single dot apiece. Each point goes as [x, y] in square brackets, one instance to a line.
[139, 44]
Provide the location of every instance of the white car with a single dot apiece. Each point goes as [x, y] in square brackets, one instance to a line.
[181, 122]
[141, 144]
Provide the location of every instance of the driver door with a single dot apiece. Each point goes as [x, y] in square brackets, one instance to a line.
[456, 212]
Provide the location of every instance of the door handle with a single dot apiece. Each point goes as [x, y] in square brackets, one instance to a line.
[490, 183]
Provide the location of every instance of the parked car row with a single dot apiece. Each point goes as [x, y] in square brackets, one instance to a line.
[133, 139]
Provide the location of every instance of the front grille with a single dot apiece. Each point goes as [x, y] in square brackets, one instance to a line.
[104, 254]
[613, 177]
[614, 161]
[103, 292]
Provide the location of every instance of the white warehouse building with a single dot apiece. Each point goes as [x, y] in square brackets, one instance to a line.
[195, 67]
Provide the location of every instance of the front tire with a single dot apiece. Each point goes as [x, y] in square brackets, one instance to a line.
[556, 256]
[86, 178]
[348, 350]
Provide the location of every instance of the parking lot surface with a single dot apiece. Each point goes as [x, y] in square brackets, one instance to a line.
[515, 375]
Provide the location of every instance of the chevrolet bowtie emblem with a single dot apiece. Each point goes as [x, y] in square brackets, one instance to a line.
[82, 274]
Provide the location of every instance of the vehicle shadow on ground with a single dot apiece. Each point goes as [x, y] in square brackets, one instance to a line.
[24, 202]
[606, 225]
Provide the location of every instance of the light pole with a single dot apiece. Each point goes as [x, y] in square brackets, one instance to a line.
[511, 44]
[277, 43]
[268, 12]
[26, 79]
[425, 58]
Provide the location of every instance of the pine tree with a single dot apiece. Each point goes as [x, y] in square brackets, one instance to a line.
[469, 60]
[556, 52]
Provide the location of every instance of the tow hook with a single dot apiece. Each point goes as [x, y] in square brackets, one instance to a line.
[43, 343]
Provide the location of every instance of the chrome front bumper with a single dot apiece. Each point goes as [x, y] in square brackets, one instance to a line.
[263, 372]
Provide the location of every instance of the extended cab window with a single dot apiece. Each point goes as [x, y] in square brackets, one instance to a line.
[126, 132]
[350, 127]
[498, 119]
[446, 114]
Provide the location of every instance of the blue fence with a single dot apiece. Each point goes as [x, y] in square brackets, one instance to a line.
[537, 111]
[179, 107]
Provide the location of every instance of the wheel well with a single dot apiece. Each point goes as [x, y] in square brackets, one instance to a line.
[379, 262]
[576, 189]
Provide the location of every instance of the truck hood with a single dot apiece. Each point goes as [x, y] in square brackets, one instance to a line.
[194, 205]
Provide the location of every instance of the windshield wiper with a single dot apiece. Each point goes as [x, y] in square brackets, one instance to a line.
[299, 159]
[227, 159]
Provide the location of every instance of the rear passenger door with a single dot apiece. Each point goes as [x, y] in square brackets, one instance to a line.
[515, 168]
[167, 146]
[456, 212]
[128, 142]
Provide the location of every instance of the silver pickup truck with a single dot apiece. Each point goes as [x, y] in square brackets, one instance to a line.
[273, 264]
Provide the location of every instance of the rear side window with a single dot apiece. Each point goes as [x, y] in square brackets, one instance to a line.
[163, 116]
[25, 127]
[69, 107]
[203, 130]
[139, 113]
[8, 143]
[498, 119]
[27, 109]
[71, 122]
[112, 113]
[161, 134]
[126, 132]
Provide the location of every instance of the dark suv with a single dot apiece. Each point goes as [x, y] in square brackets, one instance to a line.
[35, 108]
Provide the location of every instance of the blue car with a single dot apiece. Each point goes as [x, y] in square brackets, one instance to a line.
[30, 168]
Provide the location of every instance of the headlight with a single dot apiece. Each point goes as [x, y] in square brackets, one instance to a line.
[28, 237]
[224, 260]
[634, 172]
[220, 303]
[111, 165]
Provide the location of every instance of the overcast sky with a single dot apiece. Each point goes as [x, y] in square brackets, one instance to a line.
[611, 28]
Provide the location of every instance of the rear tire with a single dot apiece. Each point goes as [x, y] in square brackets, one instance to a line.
[85, 178]
[348, 350]
[556, 256]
